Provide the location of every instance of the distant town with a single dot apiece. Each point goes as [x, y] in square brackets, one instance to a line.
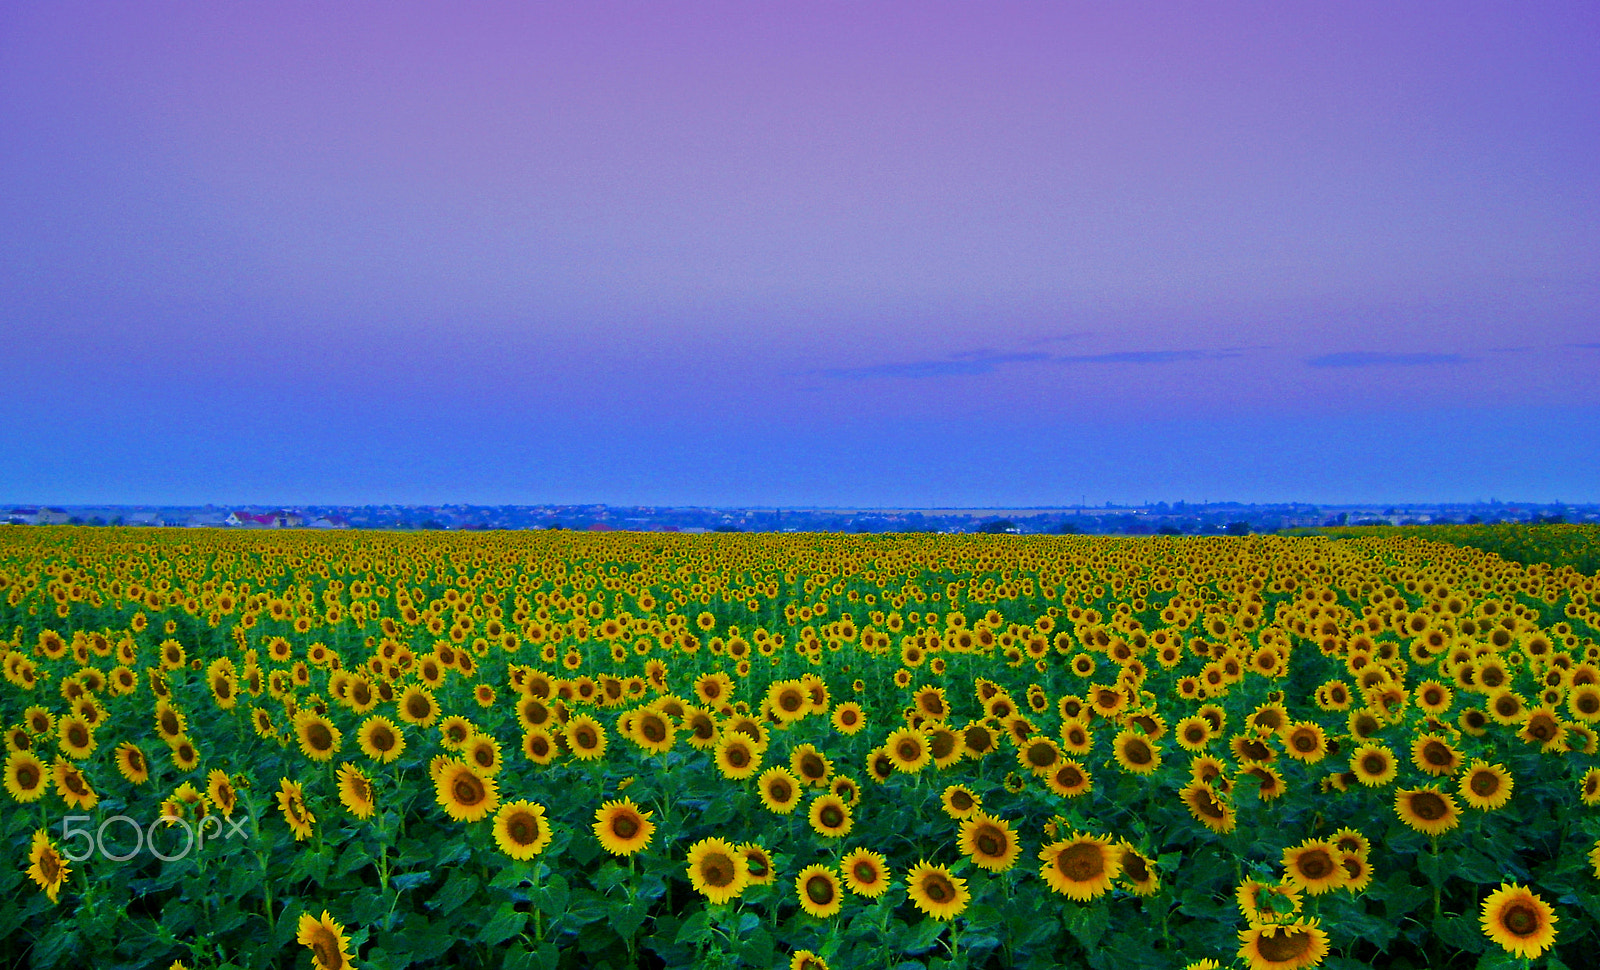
[1177, 518]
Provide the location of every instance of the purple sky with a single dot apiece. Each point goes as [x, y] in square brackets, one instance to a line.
[799, 254]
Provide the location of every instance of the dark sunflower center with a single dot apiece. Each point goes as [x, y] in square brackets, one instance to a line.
[1521, 919]
[936, 889]
[381, 739]
[991, 843]
[717, 870]
[865, 873]
[1429, 806]
[625, 827]
[1316, 864]
[326, 946]
[468, 790]
[653, 730]
[319, 738]
[819, 890]
[1138, 752]
[1374, 764]
[831, 817]
[811, 766]
[1082, 862]
[1284, 947]
[1304, 742]
[908, 750]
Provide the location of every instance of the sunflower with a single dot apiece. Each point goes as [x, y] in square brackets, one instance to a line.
[810, 765]
[417, 706]
[1261, 902]
[758, 864]
[1271, 782]
[538, 746]
[818, 889]
[184, 754]
[846, 788]
[1433, 697]
[1138, 872]
[653, 732]
[848, 718]
[737, 756]
[1283, 946]
[1313, 866]
[1589, 787]
[380, 739]
[935, 891]
[866, 873]
[520, 830]
[1194, 733]
[131, 763]
[1070, 779]
[291, 801]
[586, 738]
[959, 802]
[73, 787]
[977, 740]
[989, 842]
[830, 817]
[76, 737]
[1357, 871]
[219, 789]
[1304, 741]
[1076, 738]
[326, 940]
[1135, 753]
[930, 701]
[1428, 810]
[1080, 867]
[621, 828]
[806, 960]
[1039, 755]
[25, 777]
[47, 866]
[171, 723]
[716, 870]
[1507, 707]
[482, 751]
[319, 739]
[880, 767]
[1373, 765]
[454, 731]
[262, 722]
[465, 795]
[1523, 924]
[780, 790]
[355, 791]
[908, 750]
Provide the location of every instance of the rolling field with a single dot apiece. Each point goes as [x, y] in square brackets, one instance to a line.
[291, 749]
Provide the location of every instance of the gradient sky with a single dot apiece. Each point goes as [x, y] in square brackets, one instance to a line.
[875, 254]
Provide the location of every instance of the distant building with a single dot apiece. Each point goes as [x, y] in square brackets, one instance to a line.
[330, 522]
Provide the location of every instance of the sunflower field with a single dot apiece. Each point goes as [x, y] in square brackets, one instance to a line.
[388, 750]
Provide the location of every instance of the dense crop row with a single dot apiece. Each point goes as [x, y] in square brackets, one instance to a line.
[540, 750]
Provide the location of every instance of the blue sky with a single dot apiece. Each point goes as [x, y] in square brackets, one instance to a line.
[786, 254]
